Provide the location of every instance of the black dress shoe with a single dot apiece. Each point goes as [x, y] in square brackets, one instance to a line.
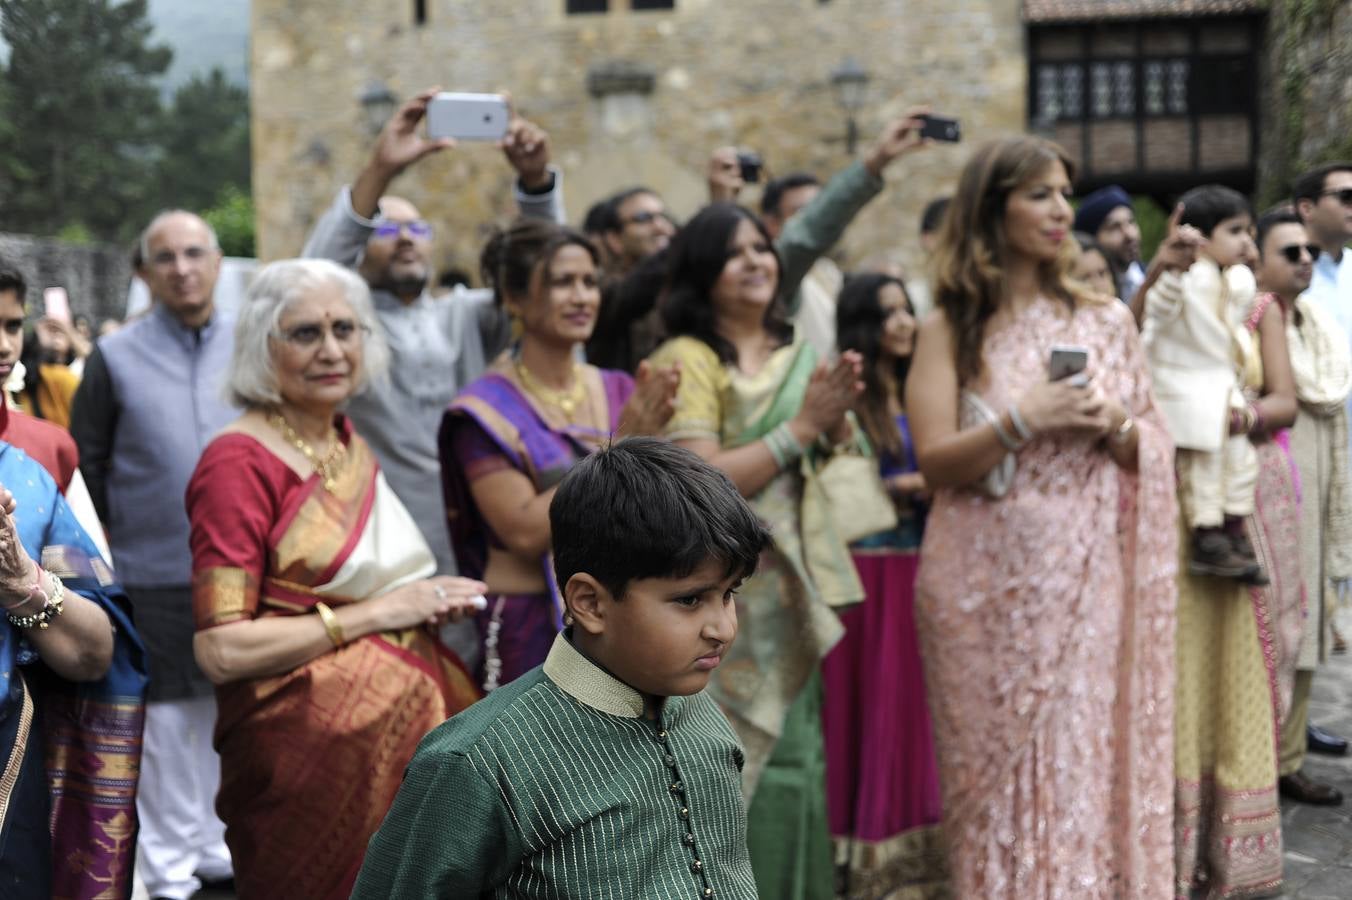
[1303, 789]
[1317, 740]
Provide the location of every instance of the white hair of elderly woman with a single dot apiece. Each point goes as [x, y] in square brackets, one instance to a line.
[252, 379]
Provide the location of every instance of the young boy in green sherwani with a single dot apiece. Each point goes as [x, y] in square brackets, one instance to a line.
[606, 772]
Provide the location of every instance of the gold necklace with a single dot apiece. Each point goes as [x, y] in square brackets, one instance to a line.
[327, 468]
[566, 400]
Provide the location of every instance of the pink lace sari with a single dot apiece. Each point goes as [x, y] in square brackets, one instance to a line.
[1047, 629]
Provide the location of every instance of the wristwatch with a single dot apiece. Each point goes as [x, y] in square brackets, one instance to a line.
[52, 605]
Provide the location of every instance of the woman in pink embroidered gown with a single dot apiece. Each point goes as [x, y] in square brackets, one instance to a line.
[1046, 614]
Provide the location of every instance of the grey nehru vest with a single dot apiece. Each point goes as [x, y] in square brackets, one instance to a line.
[167, 383]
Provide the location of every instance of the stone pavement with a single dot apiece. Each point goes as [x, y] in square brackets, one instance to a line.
[1318, 839]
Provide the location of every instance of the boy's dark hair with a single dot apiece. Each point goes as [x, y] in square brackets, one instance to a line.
[1207, 206]
[646, 508]
[933, 215]
[1271, 220]
[1310, 185]
[11, 279]
[773, 195]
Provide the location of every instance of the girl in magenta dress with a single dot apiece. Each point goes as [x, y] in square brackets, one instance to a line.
[882, 779]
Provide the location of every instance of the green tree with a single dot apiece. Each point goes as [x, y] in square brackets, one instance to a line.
[82, 110]
[233, 219]
[204, 143]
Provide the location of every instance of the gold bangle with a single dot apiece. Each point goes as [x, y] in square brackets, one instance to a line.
[331, 625]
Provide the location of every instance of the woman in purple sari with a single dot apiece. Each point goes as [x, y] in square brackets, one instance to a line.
[508, 438]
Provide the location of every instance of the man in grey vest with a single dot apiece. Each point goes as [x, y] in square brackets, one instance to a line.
[437, 344]
[149, 402]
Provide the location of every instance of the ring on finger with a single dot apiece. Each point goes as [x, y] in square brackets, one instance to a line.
[440, 591]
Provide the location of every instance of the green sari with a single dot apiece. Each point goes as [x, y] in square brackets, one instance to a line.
[769, 685]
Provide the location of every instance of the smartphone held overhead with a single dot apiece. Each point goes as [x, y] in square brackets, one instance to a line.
[56, 304]
[468, 117]
[750, 164]
[940, 128]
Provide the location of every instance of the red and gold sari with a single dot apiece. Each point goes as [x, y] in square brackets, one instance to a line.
[311, 759]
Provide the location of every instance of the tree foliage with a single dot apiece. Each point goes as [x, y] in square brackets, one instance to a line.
[233, 219]
[205, 143]
[83, 112]
[86, 145]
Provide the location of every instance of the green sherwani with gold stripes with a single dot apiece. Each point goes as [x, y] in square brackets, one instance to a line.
[556, 786]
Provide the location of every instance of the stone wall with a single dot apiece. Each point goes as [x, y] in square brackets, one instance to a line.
[755, 73]
[1309, 90]
[95, 277]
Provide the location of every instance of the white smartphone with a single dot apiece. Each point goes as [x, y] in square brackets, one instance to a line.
[467, 117]
[1067, 361]
[56, 304]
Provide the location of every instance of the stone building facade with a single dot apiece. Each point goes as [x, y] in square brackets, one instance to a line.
[629, 95]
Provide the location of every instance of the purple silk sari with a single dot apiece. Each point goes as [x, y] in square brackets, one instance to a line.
[517, 629]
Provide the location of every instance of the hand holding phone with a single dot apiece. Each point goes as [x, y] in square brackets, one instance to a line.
[750, 164]
[468, 117]
[940, 128]
[1068, 361]
[56, 304]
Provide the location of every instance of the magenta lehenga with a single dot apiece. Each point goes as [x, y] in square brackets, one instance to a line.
[1047, 631]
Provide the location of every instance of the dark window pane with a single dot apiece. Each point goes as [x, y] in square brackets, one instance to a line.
[652, 4]
[1178, 87]
[1154, 87]
[1048, 101]
[1222, 85]
[1072, 91]
[573, 7]
[1124, 88]
[1100, 89]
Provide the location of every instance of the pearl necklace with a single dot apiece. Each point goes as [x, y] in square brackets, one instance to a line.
[327, 468]
[566, 400]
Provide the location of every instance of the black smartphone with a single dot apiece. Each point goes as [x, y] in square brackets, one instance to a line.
[941, 129]
[751, 164]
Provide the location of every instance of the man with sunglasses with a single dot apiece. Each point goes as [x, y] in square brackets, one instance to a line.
[1322, 367]
[1323, 199]
[437, 344]
[636, 226]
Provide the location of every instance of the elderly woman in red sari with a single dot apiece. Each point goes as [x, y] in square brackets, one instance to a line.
[316, 611]
[509, 437]
[1046, 592]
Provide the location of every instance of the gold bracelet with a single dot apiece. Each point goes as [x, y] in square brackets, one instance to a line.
[331, 625]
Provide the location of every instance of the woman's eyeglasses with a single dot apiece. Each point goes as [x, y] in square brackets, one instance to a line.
[310, 335]
[1292, 252]
[417, 228]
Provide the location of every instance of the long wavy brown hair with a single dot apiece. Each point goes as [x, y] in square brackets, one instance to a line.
[972, 250]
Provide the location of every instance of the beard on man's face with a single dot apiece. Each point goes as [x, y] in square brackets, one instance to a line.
[402, 279]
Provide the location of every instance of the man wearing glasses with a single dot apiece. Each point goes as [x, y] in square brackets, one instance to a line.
[149, 402]
[437, 345]
[1323, 375]
[637, 226]
[1323, 199]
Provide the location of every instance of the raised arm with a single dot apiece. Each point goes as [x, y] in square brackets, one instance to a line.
[820, 224]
